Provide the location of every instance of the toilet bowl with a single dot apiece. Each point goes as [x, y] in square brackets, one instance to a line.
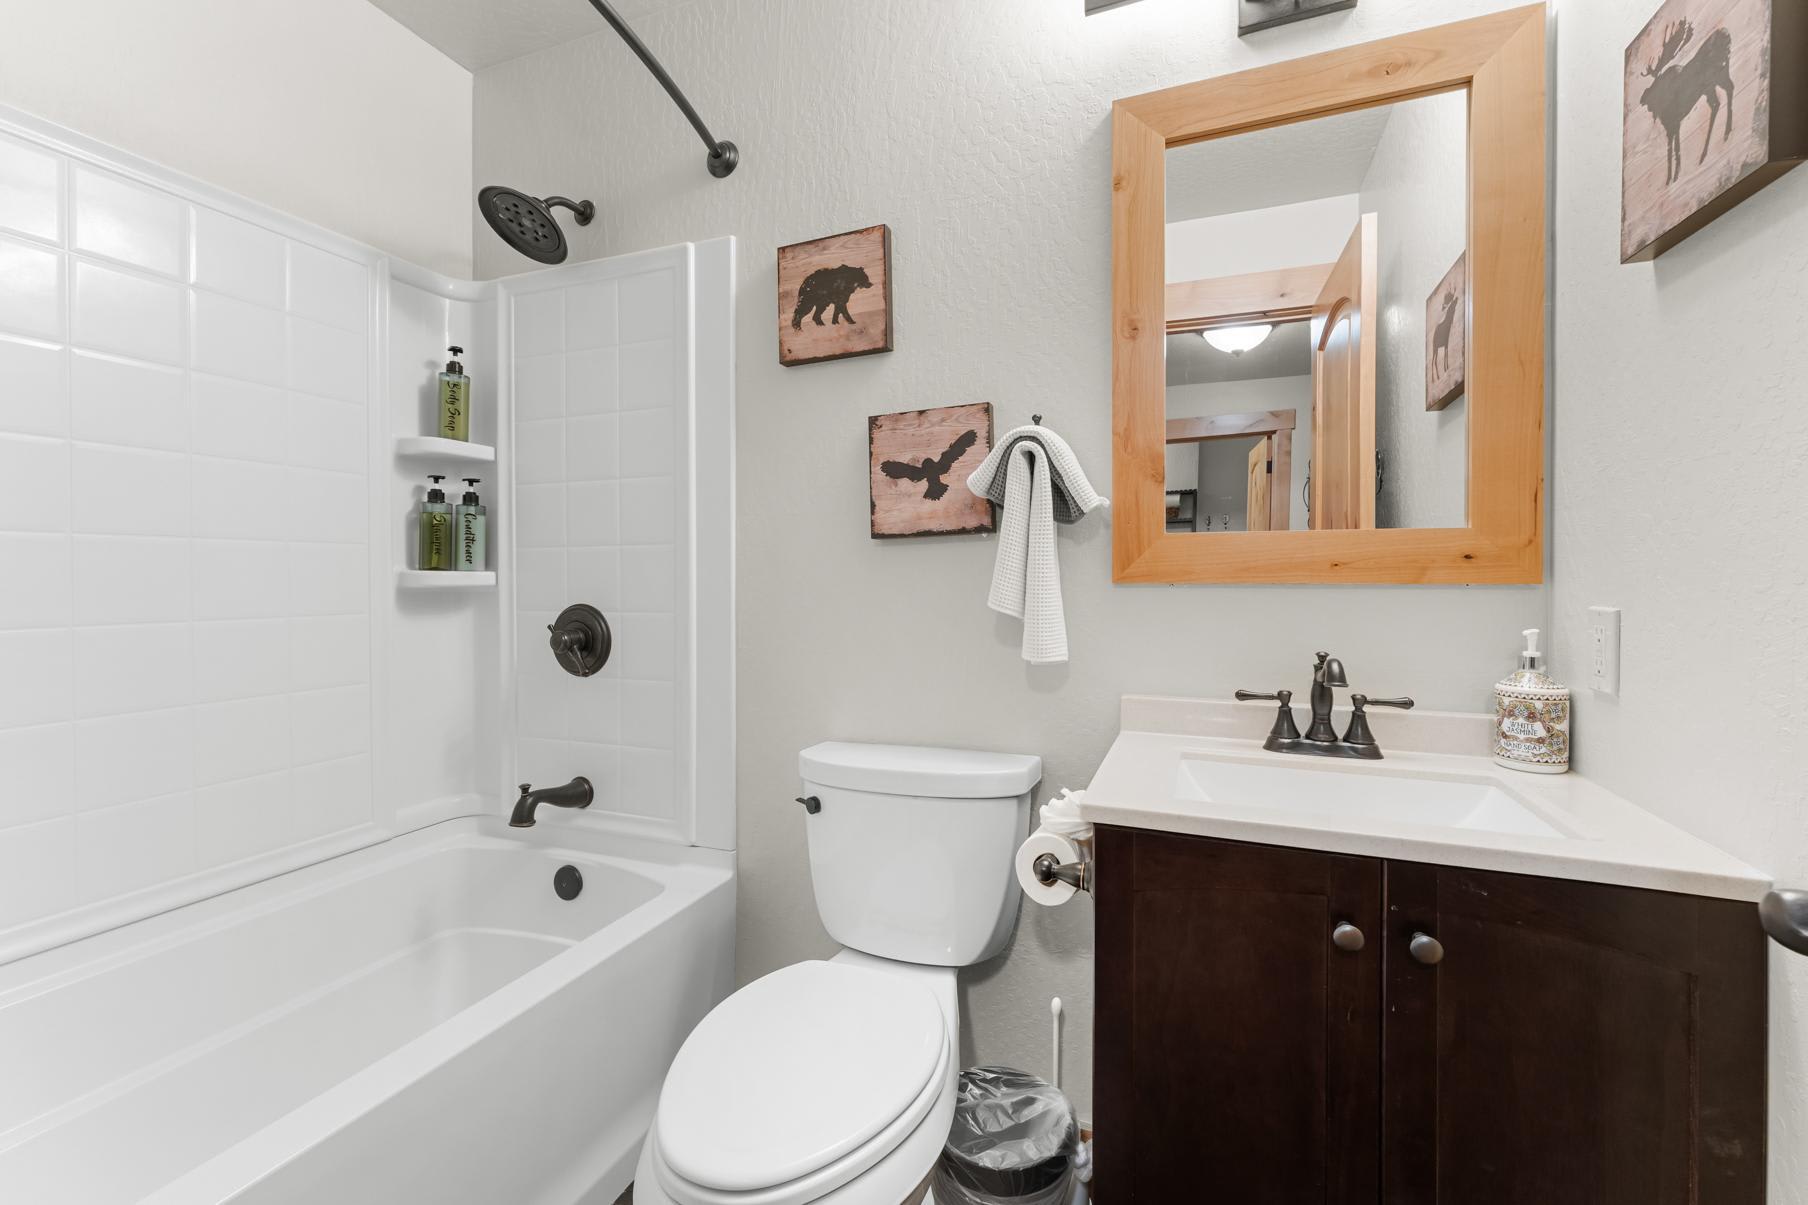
[830, 1082]
[833, 1083]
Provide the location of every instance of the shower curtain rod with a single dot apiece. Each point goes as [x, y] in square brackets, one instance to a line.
[723, 155]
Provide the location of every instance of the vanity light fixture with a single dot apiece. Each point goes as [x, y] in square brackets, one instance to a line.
[1099, 6]
[1237, 339]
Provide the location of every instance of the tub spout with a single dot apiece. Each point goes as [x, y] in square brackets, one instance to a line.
[575, 794]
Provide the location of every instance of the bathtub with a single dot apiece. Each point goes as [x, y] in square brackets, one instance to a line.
[424, 1020]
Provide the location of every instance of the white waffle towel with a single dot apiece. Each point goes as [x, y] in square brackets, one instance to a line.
[1026, 577]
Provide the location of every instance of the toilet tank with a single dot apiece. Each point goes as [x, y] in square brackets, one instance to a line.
[910, 851]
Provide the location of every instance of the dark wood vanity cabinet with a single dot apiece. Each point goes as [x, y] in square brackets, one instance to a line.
[1544, 1042]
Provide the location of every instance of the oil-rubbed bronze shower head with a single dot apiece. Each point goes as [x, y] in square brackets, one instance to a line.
[526, 223]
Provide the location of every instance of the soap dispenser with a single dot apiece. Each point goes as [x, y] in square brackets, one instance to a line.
[471, 518]
[1532, 712]
[436, 527]
[455, 399]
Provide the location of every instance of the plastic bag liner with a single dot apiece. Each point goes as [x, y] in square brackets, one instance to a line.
[1012, 1140]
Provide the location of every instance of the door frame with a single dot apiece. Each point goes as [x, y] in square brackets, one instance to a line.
[1278, 425]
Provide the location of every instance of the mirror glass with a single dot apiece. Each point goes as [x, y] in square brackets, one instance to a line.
[1317, 313]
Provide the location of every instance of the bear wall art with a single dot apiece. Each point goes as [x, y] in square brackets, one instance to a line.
[1716, 107]
[834, 297]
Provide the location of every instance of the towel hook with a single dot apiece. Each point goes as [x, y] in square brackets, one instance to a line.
[1037, 419]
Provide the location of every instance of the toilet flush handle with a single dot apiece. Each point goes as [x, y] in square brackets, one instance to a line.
[811, 804]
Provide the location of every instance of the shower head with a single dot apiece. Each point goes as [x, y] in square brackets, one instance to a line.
[526, 223]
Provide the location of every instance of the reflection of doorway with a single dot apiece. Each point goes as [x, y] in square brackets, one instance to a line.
[1343, 387]
[1269, 480]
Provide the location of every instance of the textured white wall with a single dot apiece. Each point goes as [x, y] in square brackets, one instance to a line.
[980, 132]
[1418, 188]
[326, 109]
[1681, 453]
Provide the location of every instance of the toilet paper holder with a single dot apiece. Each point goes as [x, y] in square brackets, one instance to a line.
[1050, 870]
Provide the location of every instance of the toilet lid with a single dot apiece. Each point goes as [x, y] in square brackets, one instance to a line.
[795, 1071]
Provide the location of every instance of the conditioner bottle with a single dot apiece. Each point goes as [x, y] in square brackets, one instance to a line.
[471, 552]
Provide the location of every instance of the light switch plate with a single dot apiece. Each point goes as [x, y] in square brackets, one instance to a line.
[1604, 649]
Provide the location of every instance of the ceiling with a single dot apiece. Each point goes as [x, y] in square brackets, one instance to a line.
[481, 33]
[1285, 353]
[1325, 157]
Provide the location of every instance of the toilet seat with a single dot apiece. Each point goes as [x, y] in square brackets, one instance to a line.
[799, 1083]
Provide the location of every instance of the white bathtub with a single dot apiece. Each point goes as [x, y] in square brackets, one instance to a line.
[421, 1021]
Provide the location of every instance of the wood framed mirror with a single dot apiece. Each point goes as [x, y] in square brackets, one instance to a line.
[1328, 302]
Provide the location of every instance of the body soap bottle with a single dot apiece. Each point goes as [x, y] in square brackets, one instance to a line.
[472, 552]
[436, 527]
[1531, 724]
[455, 399]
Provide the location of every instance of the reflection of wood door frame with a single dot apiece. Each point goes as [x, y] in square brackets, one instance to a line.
[1275, 427]
[1282, 295]
[1344, 326]
[1259, 509]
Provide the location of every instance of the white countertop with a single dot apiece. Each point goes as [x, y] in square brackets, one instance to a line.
[1609, 839]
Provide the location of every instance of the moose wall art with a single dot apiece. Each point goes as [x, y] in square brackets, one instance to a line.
[1446, 337]
[834, 297]
[1716, 107]
[919, 463]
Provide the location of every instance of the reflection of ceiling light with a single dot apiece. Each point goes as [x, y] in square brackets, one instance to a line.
[1237, 339]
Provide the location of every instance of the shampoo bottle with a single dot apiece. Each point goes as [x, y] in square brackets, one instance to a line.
[436, 527]
[1531, 726]
[470, 519]
[455, 399]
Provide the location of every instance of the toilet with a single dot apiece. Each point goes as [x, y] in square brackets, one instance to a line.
[834, 1081]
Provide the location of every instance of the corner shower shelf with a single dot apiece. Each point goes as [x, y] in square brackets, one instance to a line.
[435, 447]
[443, 579]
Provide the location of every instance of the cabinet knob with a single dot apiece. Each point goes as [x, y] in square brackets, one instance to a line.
[1426, 949]
[1347, 937]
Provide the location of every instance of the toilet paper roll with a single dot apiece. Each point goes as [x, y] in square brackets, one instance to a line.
[1039, 843]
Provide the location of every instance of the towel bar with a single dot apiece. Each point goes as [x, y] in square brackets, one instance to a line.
[1785, 918]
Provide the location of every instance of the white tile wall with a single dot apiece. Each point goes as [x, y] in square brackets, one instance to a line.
[600, 422]
[185, 623]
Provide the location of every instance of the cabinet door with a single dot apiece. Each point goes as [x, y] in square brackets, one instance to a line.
[1577, 1044]
[1237, 1047]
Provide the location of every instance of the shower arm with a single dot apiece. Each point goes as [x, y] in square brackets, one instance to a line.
[723, 155]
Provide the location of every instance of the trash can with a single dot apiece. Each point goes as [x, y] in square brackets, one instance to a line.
[1012, 1142]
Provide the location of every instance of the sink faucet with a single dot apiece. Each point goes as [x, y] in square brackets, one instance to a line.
[575, 794]
[1325, 675]
[1321, 739]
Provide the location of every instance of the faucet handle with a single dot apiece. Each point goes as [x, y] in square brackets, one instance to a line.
[1358, 733]
[1284, 728]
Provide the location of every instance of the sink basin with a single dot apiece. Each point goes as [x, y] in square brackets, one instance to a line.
[1450, 801]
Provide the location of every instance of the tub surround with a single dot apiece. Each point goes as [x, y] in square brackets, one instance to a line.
[1600, 836]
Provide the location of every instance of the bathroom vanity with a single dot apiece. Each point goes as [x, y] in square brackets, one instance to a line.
[1424, 979]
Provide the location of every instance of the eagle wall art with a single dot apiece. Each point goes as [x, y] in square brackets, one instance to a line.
[919, 462]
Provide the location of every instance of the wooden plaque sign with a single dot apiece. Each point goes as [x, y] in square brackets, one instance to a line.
[919, 465]
[834, 297]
